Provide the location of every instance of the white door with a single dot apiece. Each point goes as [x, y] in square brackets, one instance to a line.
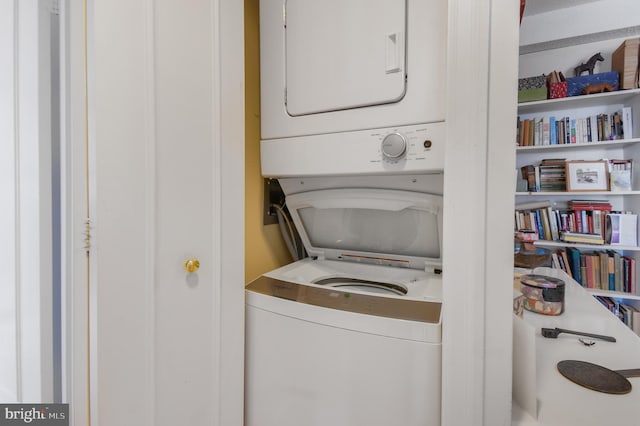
[166, 173]
[344, 54]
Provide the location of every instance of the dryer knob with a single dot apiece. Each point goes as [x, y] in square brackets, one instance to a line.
[394, 146]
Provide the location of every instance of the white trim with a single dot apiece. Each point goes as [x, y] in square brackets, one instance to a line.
[16, 206]
[34, 203]
[465, 211]
[478, 199]
[73, 117]
[503, 73]
[8, 199]
[231, 113]
[217, 138]
[150, 116]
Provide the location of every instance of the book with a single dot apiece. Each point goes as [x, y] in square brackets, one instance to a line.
[574, 259]
[619, 274]
[635, 320]
[567, 264]
[611, 269]
[590, 205]
[622, 229]
[582, 237]
[593, 128]
[604, 270]
[627, 122]
[589, 271]
[633, 289]
[546, 136]
[625, 60]
[533, 205]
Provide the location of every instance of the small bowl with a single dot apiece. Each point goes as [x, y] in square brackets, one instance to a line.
[542, 294]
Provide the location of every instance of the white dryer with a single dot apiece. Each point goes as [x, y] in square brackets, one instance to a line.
[351, 335]
[332, 66]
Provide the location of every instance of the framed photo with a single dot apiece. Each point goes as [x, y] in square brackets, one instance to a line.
[587, 175]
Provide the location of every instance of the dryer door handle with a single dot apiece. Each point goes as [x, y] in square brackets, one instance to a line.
[395, 52]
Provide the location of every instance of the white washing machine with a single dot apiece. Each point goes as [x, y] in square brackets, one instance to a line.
[331, 66]
[351, 335]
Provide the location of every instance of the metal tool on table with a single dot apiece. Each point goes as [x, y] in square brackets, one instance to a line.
[597, 377]
[554, 332]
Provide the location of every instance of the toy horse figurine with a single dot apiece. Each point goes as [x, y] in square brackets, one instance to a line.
[589, 65]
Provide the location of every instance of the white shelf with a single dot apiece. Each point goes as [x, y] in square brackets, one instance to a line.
[626, 148]
[562, 244]
[576, 194]
[565, 146]
[615, 294]
[574, 102]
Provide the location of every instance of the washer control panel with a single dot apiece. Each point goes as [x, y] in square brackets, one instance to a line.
[405, 149]
[408, 146]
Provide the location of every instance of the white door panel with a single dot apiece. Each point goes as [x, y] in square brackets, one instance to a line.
[337, 60]
[165, 136]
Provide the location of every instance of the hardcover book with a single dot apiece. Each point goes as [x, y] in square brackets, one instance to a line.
[625, 61]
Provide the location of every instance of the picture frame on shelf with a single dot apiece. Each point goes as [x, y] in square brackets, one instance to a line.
[585, 176]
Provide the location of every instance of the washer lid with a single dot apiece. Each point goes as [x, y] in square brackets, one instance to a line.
[388, 227]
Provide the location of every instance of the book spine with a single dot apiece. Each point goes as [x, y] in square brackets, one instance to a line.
[594, 128]
[589, 270]
[627, 123]
[611, 264]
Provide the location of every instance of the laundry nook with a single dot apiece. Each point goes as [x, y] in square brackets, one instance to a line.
[353, 128]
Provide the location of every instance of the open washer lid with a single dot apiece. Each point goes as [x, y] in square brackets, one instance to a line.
[385, 227]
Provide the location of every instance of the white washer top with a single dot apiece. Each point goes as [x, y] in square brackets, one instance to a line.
[415, 284]
[290, 291]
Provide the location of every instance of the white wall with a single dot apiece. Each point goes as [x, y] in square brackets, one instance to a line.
[584, 19]
[572, 35]
[8, 219]
[26, 372]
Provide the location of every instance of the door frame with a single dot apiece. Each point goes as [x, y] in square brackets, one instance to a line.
[478, 203]
[74, 199]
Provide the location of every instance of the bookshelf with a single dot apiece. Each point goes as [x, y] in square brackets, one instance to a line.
[627, 148]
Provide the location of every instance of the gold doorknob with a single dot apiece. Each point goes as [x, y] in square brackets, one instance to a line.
[192, 265]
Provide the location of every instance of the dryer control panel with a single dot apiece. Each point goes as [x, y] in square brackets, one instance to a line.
[409, 149]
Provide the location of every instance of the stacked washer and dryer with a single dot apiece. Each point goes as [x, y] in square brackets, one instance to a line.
[352, 112]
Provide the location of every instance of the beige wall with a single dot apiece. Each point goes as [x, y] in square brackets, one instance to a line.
[264, 248]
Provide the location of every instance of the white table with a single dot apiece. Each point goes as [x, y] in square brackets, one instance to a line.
[561, 402]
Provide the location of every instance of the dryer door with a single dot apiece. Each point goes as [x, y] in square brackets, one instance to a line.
[344, 54]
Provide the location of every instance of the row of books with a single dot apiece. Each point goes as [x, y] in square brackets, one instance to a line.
[628, 314]
[551, 175]
[600, 270]
[580, 221]
[551, 130]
